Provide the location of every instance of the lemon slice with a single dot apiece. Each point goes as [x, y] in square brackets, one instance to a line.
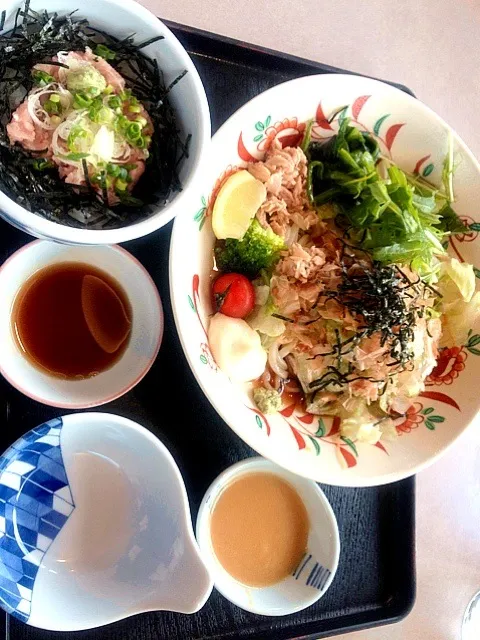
[237, 202]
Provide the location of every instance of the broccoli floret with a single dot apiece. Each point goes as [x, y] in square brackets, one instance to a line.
[267, 400]
[258, 249]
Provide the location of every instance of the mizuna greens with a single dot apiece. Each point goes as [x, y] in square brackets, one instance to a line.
[395, 216]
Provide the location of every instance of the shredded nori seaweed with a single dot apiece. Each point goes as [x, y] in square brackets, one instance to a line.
[378, 298]
[35, 38]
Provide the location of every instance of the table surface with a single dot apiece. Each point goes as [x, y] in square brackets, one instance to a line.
[432, 47]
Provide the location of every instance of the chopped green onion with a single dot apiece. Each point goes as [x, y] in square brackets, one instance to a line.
[140, 143]
[130, 167]
[79, 139]
[52, 107]
[120, 123]
[135, 108]
[134, 131]
[122, 173]
[147, 140]
[114, 102]
[42, 163]
[113, 169]
[56, 120]
[94, 92]
[102, 115]
[42, 77]
[108, 89]
[120, 185]
[81, 101]
[75, 156]
[104, 52]
[55, 97]
[126, 94]
[307, 136]
[142, 121]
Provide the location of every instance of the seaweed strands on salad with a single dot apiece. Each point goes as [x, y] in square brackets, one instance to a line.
[118, 99]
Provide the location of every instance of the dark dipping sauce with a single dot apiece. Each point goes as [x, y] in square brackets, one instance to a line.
[72, 320]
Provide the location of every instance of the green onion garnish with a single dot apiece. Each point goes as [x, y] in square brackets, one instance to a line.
[81, 101]
[41, 164]
[104, 52]
[42, 78]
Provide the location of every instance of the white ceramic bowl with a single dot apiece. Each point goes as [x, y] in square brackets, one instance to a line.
[416, 138]
[317, 567]
[98, 526]
[121, 18]
[140, 353]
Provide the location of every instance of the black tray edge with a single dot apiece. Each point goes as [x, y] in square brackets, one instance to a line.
[272, 57]
[399, 607]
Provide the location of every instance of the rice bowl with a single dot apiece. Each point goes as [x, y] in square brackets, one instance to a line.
[186, 96]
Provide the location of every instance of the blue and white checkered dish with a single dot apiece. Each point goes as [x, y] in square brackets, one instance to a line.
[95, 526]
[35, 503]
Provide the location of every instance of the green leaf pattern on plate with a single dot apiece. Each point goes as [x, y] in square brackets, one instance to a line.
[316, 446]
[378, 124]
[321, 431]
[472, 343]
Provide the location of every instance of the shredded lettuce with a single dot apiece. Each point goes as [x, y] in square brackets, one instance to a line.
[458, 319]
[456, 277]
[459, 304]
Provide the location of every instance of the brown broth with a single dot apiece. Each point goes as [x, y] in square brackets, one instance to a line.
[49, 321]
[259, 529]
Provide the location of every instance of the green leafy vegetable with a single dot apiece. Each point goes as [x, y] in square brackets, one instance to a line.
[448, 168]
[75, 156]
[258, 249]
[42, 78]
[104, 52]
[449, 221]
[307, 136]
[397, 218]
[343, 165]
[42, 164]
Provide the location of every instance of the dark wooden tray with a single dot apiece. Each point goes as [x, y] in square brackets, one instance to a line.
[375, 582]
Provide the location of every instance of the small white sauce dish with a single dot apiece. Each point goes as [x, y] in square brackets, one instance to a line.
[95, 526]
[144, 341]
[317, 568]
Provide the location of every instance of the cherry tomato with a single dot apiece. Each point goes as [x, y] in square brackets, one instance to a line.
[233, 295]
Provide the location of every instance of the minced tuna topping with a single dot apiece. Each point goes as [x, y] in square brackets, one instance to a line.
[80, 118]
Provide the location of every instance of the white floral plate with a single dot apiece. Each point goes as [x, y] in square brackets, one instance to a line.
[416, 138]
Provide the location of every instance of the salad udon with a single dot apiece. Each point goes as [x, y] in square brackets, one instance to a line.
[332, 282]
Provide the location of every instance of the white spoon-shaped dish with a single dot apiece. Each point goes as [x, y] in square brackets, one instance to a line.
[95, 526]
